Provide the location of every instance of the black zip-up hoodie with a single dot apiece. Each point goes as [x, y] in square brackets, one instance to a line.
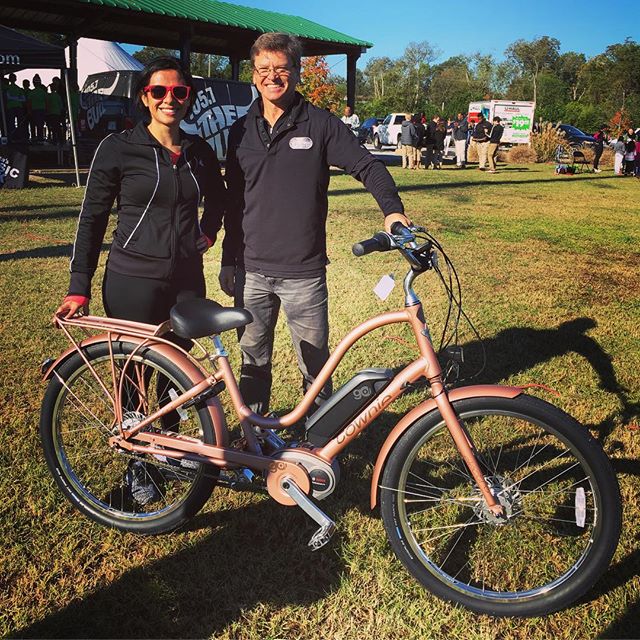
[157, 207]
[278, 182]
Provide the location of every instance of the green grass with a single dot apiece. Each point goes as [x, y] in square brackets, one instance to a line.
[551, 278]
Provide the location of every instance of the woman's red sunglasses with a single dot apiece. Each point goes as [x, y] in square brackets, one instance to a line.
[158, 91]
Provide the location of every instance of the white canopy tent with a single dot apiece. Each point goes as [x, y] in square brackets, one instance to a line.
[94, 56]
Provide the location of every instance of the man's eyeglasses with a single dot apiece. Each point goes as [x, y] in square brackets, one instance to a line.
[180, 92]
[263, 72]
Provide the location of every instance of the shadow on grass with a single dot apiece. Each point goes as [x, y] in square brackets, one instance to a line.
[23, 216]
[461, 184]
[201, 589]
[57, 251]
[518, 349]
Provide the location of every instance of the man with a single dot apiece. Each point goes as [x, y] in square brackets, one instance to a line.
[16, 109]
[409, 142]
[351, 119]
[38, 104]
[430, 141]
[55, 113]
[480, 138]
[460, 130]
[274, 251]
[494, 142]
[420, 133]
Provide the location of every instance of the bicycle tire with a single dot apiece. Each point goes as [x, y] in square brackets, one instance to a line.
[560, 493]
[139, 493]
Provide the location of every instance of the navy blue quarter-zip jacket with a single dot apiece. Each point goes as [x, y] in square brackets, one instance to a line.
[156, 204]
[277, 188]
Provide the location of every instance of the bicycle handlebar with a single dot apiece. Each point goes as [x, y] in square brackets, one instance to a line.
[379, 242]
[402, 238]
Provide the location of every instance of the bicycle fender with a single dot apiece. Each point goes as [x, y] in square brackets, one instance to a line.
[475, 391]
[194, 372]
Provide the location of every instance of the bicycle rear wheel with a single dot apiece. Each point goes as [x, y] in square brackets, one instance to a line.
[134, 492]
[556, 486]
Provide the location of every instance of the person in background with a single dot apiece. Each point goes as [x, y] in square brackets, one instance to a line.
[28, 122]
[274, 251]
[157, 174]
[430, 141]
[408, 141]
[601, 138]
[449, 137]
[420, 132]
[38, 104]
[16, 109]
[460, 130]
[480, 137]
[54, 114]
[439, 135]
[619, 149]
[637, 165]
[494, 142]
[351, 119]
[630, 153]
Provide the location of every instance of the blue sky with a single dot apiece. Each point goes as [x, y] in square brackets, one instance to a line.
[586, 26]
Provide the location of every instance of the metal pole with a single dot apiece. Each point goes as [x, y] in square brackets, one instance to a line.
[5, 130]
[73, 128]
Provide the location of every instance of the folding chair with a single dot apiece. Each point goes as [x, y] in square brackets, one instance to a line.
[580, 161]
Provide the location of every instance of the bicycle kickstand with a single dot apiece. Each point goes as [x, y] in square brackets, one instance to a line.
[327, 526]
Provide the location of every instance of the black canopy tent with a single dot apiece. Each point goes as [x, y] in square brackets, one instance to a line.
[18, 51]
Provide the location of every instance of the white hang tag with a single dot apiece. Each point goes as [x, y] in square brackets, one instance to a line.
[580, 507]
[384, 286]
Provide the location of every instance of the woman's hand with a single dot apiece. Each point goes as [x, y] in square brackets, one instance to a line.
[204, 243]
[71, 307]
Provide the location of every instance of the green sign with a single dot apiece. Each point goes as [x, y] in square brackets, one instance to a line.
[521, 123]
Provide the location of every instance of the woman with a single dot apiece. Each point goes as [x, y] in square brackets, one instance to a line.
[440, 134]
[600, 137]
[619, 149]
[157, 174]
[630, 153]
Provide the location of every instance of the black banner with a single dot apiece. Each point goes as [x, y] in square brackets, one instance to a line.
[218, 104]
[14, 168]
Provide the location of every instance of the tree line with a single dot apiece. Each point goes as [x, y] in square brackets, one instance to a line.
[567, 87]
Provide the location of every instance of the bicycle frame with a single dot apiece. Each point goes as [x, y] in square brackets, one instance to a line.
[178, 447]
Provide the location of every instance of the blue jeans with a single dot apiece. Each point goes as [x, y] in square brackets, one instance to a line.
[305, 304]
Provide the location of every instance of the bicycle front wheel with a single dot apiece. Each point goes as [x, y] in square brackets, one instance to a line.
[560, 498]
[134, 492]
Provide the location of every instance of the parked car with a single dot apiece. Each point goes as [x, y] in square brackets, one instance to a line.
[368, 129]
[388, 132]
[574, 136]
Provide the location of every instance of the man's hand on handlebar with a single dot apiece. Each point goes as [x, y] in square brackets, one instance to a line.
[396, 217]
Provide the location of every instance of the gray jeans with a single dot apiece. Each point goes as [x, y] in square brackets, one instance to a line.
[305, 304]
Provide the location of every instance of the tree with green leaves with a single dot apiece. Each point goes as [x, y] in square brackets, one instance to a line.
[533, 57]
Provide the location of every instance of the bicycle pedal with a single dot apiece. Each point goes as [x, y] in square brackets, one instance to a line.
[322, 536]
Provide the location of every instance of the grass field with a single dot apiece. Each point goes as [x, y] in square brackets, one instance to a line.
[551, 278]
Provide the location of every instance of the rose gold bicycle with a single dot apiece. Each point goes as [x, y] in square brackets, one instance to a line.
[491, 498]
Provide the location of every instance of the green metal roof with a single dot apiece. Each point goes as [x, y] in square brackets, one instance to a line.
[233, 15]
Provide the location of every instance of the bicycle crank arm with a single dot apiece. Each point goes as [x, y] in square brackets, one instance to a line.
[327, 526]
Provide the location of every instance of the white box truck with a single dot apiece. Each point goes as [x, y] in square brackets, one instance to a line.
[516, 116]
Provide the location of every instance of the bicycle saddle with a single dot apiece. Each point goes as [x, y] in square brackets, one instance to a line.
[199, 317]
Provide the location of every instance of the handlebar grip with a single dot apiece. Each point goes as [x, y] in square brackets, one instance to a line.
[379, 242]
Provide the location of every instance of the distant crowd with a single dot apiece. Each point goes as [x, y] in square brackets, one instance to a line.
[424, 143]
[36, 113]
